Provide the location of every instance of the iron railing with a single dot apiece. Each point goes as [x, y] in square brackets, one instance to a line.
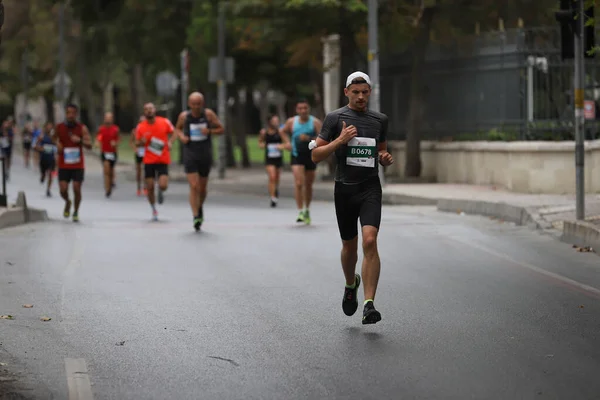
[510, 85]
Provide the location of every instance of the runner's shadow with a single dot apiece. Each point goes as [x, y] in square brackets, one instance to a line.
[355, 331]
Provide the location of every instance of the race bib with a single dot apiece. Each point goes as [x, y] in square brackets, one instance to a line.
[273, 150]
[48, 148]
[72, 155]
[141, 151]
[156, 146]
[196, 132]
[362, 152]
[109, 156]
[4, 143]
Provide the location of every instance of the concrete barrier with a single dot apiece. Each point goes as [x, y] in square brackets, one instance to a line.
[582, 233]
[524, 167]
[20, 213]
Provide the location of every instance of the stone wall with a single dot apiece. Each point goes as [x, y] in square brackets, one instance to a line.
[525, 167]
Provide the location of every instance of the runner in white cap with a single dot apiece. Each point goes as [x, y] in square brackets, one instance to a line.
[358, 137]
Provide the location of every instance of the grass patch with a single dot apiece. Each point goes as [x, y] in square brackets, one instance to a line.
[255, 153]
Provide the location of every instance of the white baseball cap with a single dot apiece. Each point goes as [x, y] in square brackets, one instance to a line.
[355, 75]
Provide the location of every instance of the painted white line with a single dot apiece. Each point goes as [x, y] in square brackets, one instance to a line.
[531, 267]
[78, 379]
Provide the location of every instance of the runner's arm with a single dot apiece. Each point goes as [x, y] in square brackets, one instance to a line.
[318, 125]
[385, 158]
[179, 127]
[215, 125]
[138, 137]
[261, 138]
[87, 138]
[286, 145]
[171, 133]
[326, 144]
[37, 144]
[118, 136]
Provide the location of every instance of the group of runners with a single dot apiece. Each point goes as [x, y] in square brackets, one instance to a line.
[356, 135]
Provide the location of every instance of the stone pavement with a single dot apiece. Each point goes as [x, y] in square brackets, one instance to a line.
[554, 214]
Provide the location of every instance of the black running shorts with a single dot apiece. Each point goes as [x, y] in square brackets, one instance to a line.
[304, 158]
[201, 167]
[46, 165]
[111, 162]
[276, 161]
[152, 171]
[68, 175]
[352, 202]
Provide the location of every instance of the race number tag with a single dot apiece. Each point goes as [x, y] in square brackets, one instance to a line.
[109, 156]
[196, 134]
[48, 148]
[72, 155]
[273, 150]
[362, 152]
[140, 151]
[156, 146]
[4, 143]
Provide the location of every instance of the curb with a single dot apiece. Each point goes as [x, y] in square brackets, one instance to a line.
[507, 212]
[20, 213]
[581, 233]
[20, 216]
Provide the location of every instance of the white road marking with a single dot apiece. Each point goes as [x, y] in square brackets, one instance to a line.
[78, 379]
[531, 267]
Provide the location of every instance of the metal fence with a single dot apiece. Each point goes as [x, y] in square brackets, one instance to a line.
[510, 85]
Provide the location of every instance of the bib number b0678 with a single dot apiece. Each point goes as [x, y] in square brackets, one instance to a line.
[362, 152]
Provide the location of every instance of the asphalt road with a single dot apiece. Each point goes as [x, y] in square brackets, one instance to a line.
[250, 308]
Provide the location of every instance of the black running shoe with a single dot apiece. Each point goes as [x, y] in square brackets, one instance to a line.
[370, 314]
[197, 223]
[350, 302]
[161, 197]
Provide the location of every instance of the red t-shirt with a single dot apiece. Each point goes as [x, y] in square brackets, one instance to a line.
[107, 134]
[157, 138]
[71, 156]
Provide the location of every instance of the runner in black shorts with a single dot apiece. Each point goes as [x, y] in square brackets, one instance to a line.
[195, 129]
[358, 137]
[274, 142]
[302, 129]
[44, 145]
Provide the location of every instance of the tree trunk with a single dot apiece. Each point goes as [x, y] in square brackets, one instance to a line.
[413, 166]
[136, 79]
[228, 142]
[85, 90]
[246, 109]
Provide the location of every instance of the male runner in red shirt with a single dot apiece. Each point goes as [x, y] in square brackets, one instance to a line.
[155, 133]
[70, 138]
[108, 137]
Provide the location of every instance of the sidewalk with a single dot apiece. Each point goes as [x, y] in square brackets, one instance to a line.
[554, 214]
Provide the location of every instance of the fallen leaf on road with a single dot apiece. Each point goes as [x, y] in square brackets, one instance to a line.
[2, 364]
[581, 306]
[10, 263]
[27, 305]
[120, 343]
[45, 319]
[585, 249]
[6, 317]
